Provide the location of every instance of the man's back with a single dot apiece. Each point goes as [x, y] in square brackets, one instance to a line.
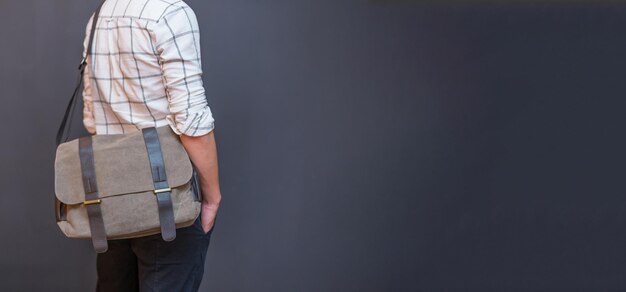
[145, 69]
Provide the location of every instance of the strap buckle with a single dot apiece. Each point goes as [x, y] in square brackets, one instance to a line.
[162, 190]
[83, 62]
[91, 202]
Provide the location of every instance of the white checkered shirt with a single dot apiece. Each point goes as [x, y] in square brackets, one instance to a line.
[145, 69]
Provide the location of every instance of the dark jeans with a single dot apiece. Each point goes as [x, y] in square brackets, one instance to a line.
[151, 264]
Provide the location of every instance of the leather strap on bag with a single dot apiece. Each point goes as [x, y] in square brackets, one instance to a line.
[162, 189]
[62, 134]
[92, 200]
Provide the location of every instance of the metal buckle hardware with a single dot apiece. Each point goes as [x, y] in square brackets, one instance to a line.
[163, 190]
[91, 202]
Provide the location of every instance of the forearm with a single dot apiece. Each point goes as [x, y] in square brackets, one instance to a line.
[203, 153]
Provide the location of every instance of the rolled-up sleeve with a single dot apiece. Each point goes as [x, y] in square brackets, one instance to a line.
[88, 116]
[177, 39]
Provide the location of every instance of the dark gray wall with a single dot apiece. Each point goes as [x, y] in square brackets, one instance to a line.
[364, 146]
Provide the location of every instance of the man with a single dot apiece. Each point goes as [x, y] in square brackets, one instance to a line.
[145, 70]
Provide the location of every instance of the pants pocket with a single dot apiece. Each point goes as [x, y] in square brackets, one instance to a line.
[198, 225]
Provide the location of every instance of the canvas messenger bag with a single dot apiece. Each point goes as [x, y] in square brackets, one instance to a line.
[122, 185]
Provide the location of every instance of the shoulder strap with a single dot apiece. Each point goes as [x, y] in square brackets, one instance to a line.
[62, 134]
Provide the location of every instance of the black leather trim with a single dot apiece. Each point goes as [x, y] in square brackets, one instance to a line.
[88, 170]
[59, 210]
[195, 186]
[159, 176]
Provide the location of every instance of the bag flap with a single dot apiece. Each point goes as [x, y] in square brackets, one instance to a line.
[122, 165]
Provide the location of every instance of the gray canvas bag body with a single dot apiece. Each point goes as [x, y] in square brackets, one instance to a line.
[122, 185]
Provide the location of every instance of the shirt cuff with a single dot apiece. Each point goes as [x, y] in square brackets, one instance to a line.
[195, 122]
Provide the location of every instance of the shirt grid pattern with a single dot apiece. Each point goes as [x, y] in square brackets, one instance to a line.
[145, 69]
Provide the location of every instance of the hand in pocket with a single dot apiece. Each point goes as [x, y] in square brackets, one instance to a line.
[208, 214]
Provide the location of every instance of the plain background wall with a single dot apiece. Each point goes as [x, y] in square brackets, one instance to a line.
[364, 146]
